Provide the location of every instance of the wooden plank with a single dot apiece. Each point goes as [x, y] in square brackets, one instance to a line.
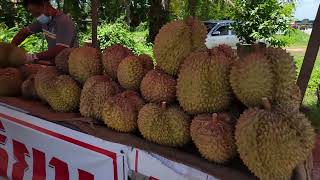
[310, 56]
[94, 16]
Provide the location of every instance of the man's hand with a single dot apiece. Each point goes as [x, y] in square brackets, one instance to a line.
[31, 58]
[51, 53]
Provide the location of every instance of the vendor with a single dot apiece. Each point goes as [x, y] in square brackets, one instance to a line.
[58, 28]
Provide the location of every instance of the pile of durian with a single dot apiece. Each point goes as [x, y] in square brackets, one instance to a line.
[224, 104]
[15, 76]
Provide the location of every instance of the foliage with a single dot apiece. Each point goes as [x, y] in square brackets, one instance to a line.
[218, 10]
[120, 33]
[138, 12]
[33, 44]
[13, 14]
[204, 9]
[7, 12]
[261, 19]
[72, 8]
[295, 38]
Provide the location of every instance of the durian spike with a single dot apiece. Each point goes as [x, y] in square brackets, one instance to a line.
[164, 105]
[214, 117]
[266, 103]
[157, 69]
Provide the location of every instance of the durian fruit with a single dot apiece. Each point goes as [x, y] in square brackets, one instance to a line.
[286, 90]
[64, 94]
[4, 52]
[175, 41]
[252, 78]
[61, 60]
[133, 97]
[17, 57]
[102, 91]
[11, 56]
[30, 69]
[283, 66]
[43, 81]
[274, 140]
[203, 83]
[226, 51]
[131, 71]
[121, 111]
[158, 86]
[164, 125]
[289, 98]
[28, 88]
[84, 63]
[147, 61]
[270, 73]
[94, 94]
[10, 82]
[172, 45]
[198, 34]
[61, 92]
[111, 58]
[214, 136]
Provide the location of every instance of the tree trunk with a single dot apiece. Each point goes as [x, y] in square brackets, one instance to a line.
[310, 56]
[128, 11]
[192, 7]
[166, 4]
[158, 16]
[94, 17]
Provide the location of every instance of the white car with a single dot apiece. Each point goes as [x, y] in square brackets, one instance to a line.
[219, 32]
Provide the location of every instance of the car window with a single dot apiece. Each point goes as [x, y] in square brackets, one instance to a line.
[224, 30]
[210, 26]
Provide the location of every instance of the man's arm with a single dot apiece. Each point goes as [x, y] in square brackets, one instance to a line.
[51, 53]
[26, 32]
[21, 36]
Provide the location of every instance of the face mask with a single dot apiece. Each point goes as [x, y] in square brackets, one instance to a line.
[43, 19]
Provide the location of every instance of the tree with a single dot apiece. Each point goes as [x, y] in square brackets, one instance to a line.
[261, 19]
[201, 9]
[158, 16]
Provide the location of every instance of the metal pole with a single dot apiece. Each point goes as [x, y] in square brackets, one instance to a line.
[94, 16]
[310, 56]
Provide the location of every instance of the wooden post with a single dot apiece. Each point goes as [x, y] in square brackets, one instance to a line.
[310, 56]
[94, 16]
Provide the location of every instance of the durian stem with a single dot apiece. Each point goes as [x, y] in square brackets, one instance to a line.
[163, 105]
[214, 117]
[266, 103]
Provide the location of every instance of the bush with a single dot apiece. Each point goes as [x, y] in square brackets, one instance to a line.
[119, 33]
[295, 38]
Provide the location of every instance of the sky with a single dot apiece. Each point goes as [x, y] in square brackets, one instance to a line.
[307, 9]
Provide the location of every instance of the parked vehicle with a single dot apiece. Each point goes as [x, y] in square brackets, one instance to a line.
[219, 32]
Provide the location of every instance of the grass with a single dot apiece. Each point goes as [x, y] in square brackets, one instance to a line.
[296, 39]
[310, 99]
